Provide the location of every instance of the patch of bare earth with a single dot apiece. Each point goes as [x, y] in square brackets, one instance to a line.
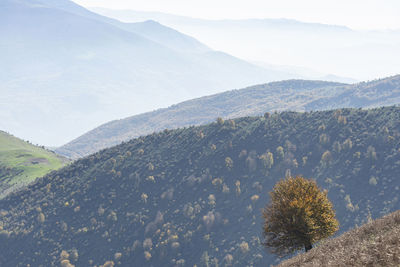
[34, 161]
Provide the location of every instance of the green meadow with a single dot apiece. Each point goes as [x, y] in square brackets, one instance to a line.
[22, 162]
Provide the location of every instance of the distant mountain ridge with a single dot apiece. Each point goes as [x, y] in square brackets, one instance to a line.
[330, 49]
[64, 68]
[136, 15]
[298, 95]
[150, 29]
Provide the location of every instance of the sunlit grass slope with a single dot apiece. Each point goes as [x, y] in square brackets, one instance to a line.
[376, 243]
[22, 162]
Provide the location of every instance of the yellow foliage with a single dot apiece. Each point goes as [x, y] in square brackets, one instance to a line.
[147, 255]
[254, 198]
[217, 182]
[64, 255]
[225, 188]
[144, 197]
[298, 215]
[108, 264]
[174, 237]
[151, 178]
[41, 218]
[211, 199]
[220, 121]
[228, 163]
[244, 247]
[342, 120]
[66, 263]
[326, 158]
[117, 256]
[238, 191]
[267, 160]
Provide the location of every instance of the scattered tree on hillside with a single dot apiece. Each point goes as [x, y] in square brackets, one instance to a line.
[267, 160]
[220, 121]
[280, 153]
[228, 163]
[326, 158]
[298, 215]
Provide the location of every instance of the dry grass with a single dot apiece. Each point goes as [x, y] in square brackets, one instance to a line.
[374, 244]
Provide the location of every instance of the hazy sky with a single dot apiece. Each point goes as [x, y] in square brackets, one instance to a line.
[357, 14]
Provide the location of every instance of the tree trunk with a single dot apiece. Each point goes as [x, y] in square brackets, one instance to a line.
[308, 246]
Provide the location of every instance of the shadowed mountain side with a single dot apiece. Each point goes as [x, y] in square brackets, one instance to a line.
[194, 195]
[298, 95]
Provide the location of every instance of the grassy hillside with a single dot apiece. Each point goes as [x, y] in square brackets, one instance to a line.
[292, 95]
[376, 243]
[195, 195]
[21, 162]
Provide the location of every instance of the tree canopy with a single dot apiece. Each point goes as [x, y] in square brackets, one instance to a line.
[298, 215]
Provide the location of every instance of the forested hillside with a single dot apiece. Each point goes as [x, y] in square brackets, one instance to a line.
[21, 162]
[294, 95]
[194, 195]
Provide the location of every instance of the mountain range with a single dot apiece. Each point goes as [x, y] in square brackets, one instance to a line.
[318, 48]
[63, 68]
[195, 195]
[295, 95]
[186, 185]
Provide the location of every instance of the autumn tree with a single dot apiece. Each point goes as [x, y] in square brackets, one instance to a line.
[298, 215]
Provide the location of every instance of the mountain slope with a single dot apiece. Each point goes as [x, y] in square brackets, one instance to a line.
[166, 36]
[286, 95]
[194, 195]
[376, 243]
[21, 163]
[289, 95]
[149, 29]
[383, 92]
[64, 69]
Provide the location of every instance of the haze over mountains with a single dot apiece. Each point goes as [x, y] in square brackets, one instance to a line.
[339, 50]
[65, 70]
[298, 95]
[186, 185]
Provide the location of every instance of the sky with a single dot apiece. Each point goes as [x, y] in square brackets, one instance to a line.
[356, 14]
